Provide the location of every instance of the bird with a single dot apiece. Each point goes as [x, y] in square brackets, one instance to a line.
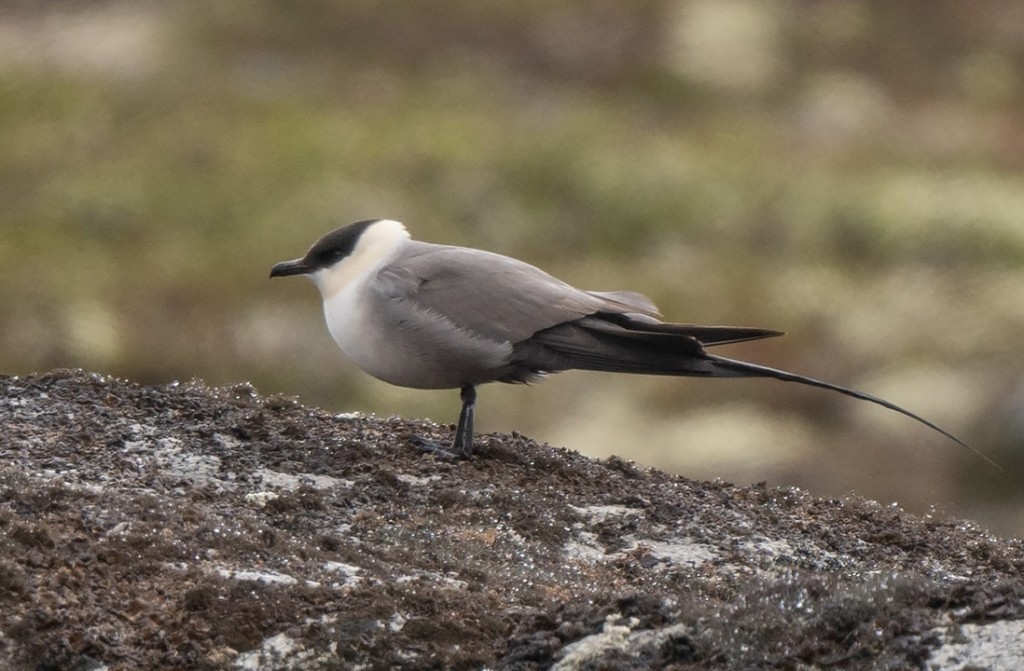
[429, 316]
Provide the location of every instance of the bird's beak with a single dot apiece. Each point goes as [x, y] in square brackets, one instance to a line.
[286, 268]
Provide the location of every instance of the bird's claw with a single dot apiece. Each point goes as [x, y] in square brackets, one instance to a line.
[425, 446]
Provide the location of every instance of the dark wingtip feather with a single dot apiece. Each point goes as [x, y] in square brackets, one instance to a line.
[708, 336]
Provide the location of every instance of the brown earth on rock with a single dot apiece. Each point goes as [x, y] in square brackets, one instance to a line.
[183, 527]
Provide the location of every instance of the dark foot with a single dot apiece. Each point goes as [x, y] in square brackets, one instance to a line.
[424, 446]
[462, 446]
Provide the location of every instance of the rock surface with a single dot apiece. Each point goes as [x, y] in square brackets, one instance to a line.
[183, 527]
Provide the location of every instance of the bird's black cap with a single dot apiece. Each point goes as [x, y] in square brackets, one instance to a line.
[326, 251]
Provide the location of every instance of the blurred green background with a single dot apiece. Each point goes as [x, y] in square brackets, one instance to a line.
[850, 172]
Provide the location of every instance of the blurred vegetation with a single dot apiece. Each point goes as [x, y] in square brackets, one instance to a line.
[849, 171]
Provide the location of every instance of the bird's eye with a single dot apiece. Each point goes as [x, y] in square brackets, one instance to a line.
[329, 257]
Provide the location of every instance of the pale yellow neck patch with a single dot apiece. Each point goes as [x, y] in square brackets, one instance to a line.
[376, 246]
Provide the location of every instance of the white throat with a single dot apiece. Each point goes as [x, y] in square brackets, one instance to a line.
[376, 246]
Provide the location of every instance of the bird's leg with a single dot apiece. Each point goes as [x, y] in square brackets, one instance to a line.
[463, 443]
